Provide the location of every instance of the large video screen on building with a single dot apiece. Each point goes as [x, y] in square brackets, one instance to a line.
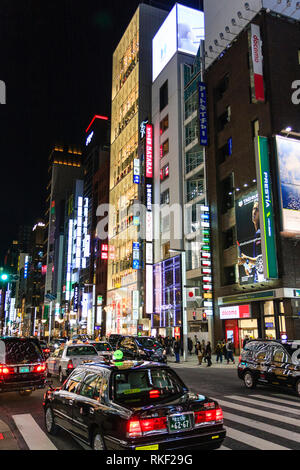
[250, 258]
[182, 31]
[288, 154]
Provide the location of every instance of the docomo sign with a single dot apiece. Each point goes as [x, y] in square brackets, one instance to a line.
[235, 313]
[149, 151]
[257, 59]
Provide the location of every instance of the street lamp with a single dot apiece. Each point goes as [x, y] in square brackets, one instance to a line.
[184, 303]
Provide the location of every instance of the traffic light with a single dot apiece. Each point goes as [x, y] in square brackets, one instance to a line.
[204, 316]
[4, 277]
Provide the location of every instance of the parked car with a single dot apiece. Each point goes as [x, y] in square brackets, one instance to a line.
[113, 340]
[133, 406]
[274, 363]
[64, 360]
[22, 365]
[142, 348]
[104, 350]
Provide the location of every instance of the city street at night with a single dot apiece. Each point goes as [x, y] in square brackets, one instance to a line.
[262, 419]
[150, 228]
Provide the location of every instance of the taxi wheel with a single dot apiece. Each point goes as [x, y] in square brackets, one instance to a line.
[49, 422]
[25, 393]
[298, 388]
[249, 381]
[98, 443]
[62, 378]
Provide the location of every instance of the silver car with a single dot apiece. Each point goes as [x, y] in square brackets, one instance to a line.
[64, 360]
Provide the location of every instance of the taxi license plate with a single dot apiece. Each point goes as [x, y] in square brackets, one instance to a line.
[24, 370]
[180, 423]
[154, 447]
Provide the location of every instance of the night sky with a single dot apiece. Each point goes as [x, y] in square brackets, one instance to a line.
[56, 61]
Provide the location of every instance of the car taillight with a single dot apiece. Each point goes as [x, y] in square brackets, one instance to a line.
[40, 368]
[203, 417]
[70, 365]
[154, 393]
[134, 428]
[4, 370]
[47, 351]
[138, 428]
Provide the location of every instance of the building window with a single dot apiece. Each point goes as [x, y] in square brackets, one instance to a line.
[163, 96]
[224, 119]
[165, 197]
[222, 87]
[225, 152]
[164, 173]
[166, 250]
[229, 238]
[164, 150]
[226, 193]
[164, 125]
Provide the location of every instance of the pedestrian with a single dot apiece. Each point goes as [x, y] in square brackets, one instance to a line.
[203, 346]
[224, 350]
[219, 352]
[230, 351]
[199, 353]
[190, 346]
[246, 341]
[208, 353]
[177, 348]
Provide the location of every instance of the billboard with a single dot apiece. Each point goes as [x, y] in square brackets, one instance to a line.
[288, 157]
[257, 75]
[250, 259]
[182, 31]
[266, 207]
[239, 312]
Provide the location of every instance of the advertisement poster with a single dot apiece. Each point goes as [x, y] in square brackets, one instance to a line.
[288, 153]
[250, 258]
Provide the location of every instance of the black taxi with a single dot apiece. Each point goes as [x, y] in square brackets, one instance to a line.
[268, 362]
[133, 406]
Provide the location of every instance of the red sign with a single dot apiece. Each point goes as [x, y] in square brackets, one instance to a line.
[149, 151]
[238, 312]
[257, 59]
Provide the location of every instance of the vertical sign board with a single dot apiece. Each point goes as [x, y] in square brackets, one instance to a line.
[266, 207]
[149, 217]
[203, 139]
[256, 64]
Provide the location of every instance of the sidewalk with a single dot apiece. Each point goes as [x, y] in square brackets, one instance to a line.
[193, 363]
[7, 438]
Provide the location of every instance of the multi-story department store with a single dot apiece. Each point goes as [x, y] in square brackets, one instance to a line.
[131, 106]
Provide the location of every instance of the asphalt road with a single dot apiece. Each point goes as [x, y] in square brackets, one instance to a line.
[263, 410]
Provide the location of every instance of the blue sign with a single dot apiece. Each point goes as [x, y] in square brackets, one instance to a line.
[136, 246]
[203, 138]
[136, 179]
[136, 264]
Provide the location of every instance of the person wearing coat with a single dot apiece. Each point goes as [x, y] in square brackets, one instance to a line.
[208, 353]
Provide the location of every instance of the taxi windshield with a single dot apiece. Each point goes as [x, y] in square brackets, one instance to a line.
[138, 387]
[81, 351]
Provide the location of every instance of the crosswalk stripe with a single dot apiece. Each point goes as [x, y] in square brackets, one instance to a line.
[276, 431]
[32, 434]
[223, 448]
[253, 441]
[277, 400]
[294, 399]
[245, 399]
[264, 414]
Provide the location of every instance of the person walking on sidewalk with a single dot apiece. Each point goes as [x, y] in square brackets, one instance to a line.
[190, 346]
[199, 353]
[219, 352]
[224, 349]
[230, 351]
[177, 349]
[208, 353]
[203, 346]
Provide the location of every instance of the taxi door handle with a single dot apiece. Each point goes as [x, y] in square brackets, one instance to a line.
[71, 402]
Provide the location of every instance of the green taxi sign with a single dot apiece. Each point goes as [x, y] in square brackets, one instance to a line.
[118, 356]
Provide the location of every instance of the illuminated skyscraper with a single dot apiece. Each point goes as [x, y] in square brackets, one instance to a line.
[131, 106]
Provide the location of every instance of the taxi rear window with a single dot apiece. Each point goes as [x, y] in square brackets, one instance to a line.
[21, 351]
[81, 351]
[138, 387]
[103, 347]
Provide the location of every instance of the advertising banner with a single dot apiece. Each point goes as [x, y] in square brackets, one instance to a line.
[250, 259]
[266, 208]
[257, 77]
[203, 139]
[288, 157]
[235, 313]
